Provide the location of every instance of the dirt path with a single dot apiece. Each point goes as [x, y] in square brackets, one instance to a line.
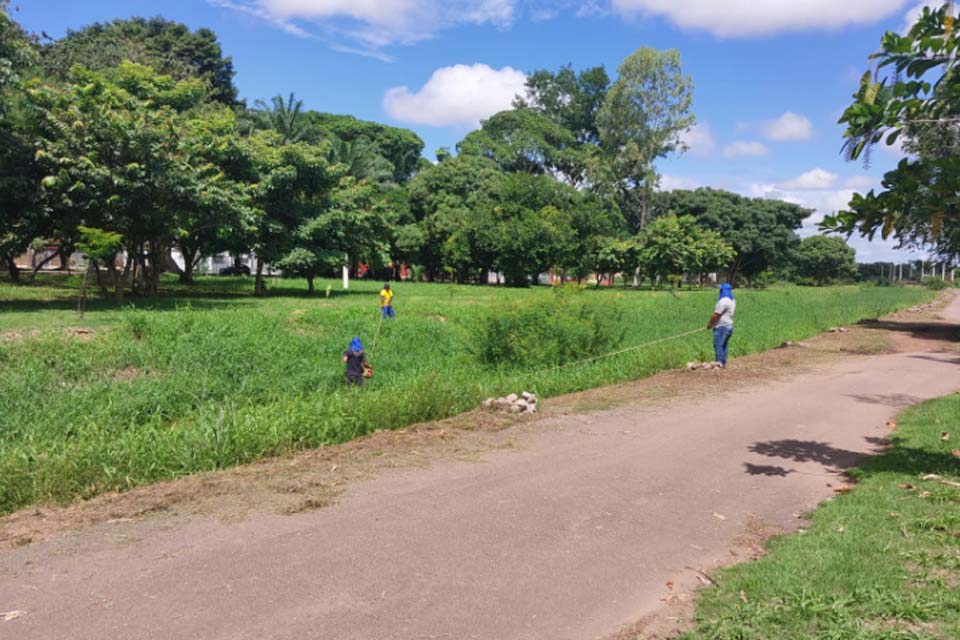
[585, 523]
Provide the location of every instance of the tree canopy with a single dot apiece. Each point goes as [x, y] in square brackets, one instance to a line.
[761, 231]
[826, 259]
[913, 97]
[131, 130]
[169, 47]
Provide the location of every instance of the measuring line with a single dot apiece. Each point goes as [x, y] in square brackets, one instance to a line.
[620, 351]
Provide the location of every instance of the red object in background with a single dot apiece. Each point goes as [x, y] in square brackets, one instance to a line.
[361, 269]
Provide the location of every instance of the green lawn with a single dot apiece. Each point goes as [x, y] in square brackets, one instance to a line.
[880, 563]
[211, 377]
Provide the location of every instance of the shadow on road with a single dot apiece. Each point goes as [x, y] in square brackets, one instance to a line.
[944, 358]
[941, 331]
[767, 470]
[896, 400]
[832, 458]
[894, 456]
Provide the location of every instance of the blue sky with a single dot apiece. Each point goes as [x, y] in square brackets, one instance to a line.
[771, 77]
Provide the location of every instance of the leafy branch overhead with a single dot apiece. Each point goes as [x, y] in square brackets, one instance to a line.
[911, 99]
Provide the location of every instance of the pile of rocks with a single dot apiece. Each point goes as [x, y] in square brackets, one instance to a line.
[922, 307]
[524, 403]
[694, 366]
[837, 330]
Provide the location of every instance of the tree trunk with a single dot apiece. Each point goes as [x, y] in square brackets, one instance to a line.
[13, 269]
[42, 263]
[189, 264]
[258, 287]
[99, 277]
[310, 288]
[82, 302]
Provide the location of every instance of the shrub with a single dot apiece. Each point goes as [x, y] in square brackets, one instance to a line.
[560, 328]
[934, 283]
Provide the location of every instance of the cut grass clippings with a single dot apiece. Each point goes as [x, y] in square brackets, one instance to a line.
[881, 562]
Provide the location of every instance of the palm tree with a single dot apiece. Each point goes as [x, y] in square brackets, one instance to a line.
[363, 160]
[282, 117]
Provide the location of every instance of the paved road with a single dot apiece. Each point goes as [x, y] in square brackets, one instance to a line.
[571, 535]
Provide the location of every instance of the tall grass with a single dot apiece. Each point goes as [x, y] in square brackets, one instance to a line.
[190, 385]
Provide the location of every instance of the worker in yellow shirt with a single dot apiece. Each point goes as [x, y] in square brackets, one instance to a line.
[386, 302]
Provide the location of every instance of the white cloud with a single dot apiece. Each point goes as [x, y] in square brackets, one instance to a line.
[790, 127]
[669, 183]
[700, 141]
[374, 24]
[861, 183]
[824, 202]
[811, 180]
[461, 95]
[738, 18]
[742, 148]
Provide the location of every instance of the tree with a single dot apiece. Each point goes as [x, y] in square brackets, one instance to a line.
[521, 140]
[614, 255]
[400, 147]
[761, 231]
[362, 160]
[443, 201]
[295, 184]
[216, 213]
[168, 47]
[672, 246]
[98, 246]
[281, 116]
[119, 151]
[642, 118]
[569, 99]
[20, 220]
[917, 101]
[826, 259]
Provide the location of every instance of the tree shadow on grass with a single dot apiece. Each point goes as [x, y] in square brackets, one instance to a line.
[898, 458]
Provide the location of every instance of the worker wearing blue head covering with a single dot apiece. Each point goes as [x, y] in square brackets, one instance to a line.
[722, 323]
[354, 358]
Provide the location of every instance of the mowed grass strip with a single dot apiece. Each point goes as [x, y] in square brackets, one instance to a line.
[879, 563]
[188, 383]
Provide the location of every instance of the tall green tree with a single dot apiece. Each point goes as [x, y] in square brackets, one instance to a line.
[522, 140]
[283, 116]
[20, 219]
[444, 201]
[169, 47]
[642, 118]
[571, 99]
[402, 148]
[118, 152]
[912, 97]
[826, 259]
[761, 231]
[295, 183]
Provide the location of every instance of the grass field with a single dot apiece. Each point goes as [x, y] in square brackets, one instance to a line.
[880, 563]
[212, 377]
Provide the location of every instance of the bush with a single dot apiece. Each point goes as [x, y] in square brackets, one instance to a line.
[934, 283]
[561, 328]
